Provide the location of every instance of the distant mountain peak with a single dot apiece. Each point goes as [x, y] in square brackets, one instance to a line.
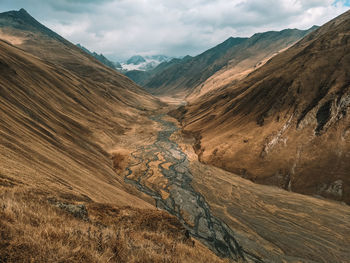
[144, 63]
[23, 11]
[136, 60]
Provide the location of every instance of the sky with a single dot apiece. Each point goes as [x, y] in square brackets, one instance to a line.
[122, 28]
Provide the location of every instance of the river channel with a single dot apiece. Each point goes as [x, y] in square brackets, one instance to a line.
[181, 200]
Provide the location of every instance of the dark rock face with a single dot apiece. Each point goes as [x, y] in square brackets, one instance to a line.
[323, 115]
[137, 75]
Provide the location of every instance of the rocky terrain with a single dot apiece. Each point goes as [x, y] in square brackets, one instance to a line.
[95, 169]
[234, 217]
[286, 123]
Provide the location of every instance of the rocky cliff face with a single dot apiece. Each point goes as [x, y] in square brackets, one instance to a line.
[287, 123]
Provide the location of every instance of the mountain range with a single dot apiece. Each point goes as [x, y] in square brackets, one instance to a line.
[181, 77]
[62, 112]
[101, 58]
[286, 123]
[239, 154]
[143, 63]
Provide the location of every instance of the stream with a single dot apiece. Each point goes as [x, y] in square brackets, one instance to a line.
[182, 200]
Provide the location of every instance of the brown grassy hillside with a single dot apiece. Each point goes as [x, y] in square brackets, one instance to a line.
[23, 31]
[191, 73]
[50, 120]
[38, 226]
[287, 123]
[249, 56]
[57, 124]
[64, 119]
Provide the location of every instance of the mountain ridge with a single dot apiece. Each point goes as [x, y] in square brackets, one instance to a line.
[22, 19]
[68, 108]
[186, 76]
[86, 155]
[138, 63]
[269, 125]
[65, 120]
[101, 58]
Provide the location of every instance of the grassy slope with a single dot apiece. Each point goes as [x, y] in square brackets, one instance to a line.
[190, 75]
[48, 122]
[62, 116]
[35, 226]
[287, 123]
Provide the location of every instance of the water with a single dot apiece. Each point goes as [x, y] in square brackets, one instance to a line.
[183, 201]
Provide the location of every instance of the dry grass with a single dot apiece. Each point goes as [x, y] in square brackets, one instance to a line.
[34, 229]
[266, 127]
[119, 161]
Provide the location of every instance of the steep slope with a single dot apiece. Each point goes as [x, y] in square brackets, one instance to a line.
[23, 31]
[253, 54]
[142, 77]
[287, 123]
[181, 77]
[61, 115]
[64, 119]
[100, 57]
[50, 119]
[235, 54]
[143, 63]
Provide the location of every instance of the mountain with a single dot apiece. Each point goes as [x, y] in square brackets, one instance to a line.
[55, 100]
[253, 54]
[100, 58]
[140, 63]
[136, 60]
[65, 120]
[286, 123]
[141, 77]
[174, 78]
[242, 53]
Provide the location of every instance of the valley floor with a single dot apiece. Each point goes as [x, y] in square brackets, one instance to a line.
[234, 217]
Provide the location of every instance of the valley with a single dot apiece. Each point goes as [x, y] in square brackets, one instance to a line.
[161, 171]
[231, 215]
[238, 154]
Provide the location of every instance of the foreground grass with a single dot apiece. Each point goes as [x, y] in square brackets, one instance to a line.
[42, 227]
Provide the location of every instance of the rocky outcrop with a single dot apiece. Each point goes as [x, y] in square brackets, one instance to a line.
[287, 123]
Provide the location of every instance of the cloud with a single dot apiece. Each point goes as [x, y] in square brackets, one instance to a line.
[121, 28]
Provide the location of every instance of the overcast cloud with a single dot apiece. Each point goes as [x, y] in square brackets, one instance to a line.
[122, 28]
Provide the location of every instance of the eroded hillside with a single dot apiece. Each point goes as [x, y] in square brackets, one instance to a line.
[194, 75]
[287, 123]
[63, 117]
[86, 155]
